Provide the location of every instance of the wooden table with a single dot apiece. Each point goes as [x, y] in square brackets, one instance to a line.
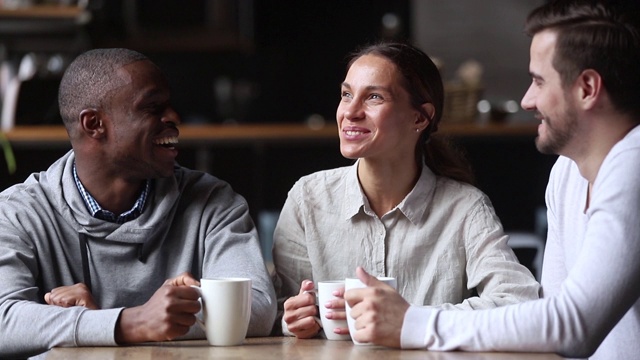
[274, 348]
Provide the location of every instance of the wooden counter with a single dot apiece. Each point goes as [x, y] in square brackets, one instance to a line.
[215, 135]
[263, 161]
[274, 348]
[44, 12]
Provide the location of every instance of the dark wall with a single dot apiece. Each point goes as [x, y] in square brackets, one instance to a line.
[292, 69]
[514, 175]
[302, 47]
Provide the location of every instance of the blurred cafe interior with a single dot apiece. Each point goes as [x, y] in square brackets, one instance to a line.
[256, 83]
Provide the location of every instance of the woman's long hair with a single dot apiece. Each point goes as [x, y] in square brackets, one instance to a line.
[421, 79]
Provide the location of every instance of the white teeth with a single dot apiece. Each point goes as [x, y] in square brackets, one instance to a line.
[351, 132]
[167, 141]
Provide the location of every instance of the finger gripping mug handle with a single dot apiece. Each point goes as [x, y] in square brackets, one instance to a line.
[198, 319]
[315, 293]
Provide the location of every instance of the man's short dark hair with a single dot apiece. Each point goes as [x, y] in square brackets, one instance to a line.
[603, 35]
[89, 78]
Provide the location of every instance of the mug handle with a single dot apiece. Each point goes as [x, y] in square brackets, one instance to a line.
[315, 293]
[198, 319]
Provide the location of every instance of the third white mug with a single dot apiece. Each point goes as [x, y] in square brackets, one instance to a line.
[355, 283]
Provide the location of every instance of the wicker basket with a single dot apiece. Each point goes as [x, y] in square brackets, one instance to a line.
[460, 102]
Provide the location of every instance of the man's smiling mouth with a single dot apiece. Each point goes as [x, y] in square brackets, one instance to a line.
[168, 141]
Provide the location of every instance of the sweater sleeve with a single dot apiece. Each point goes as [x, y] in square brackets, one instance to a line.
[233, 250]
[28, 326]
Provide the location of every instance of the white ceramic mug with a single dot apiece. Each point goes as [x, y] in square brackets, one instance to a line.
[355, 283]
[324, 294]
[226, 309]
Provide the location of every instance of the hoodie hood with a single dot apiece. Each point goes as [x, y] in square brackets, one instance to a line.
[60, 188]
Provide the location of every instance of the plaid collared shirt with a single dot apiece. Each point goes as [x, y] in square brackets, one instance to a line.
[99, 213]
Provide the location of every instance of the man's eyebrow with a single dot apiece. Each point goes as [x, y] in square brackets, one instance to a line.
[151, 95]
[535, 76]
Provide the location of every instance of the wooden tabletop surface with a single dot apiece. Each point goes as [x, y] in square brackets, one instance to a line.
[274, 348]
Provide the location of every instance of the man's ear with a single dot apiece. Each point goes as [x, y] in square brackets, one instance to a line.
[589, 87]
[91, 123]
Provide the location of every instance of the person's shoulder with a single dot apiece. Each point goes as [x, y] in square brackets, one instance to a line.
[563, 169]
[461, 196]
[199, 184]
[13, 191]
[29, 195]
[454, 189]
[622, 163]
[321, 187]
[38, 182]
[186, 176]
[630, 144]
[330, 178]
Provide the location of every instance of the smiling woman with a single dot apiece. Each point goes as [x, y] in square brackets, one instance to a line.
[398, 211]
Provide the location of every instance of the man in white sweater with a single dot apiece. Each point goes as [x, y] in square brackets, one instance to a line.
[584, 90]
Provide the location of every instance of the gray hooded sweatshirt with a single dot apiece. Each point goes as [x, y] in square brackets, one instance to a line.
[191, 222]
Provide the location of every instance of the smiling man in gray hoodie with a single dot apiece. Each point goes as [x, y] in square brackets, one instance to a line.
[100, 249]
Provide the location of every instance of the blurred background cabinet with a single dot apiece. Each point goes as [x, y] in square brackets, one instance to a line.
[243, 62]
[37, 42]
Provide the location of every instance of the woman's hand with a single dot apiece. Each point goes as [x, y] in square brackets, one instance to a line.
[300, 312]
[336, 310]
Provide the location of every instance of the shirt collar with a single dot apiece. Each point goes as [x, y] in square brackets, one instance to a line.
[99, 213]
[412, 206]
[354, 198]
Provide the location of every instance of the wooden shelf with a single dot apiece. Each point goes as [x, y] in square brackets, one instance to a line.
[190, 135]
[490, 129]
[218, 135]
[263, 161]
[44, 12]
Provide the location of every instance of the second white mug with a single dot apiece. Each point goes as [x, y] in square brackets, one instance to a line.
[325, 294]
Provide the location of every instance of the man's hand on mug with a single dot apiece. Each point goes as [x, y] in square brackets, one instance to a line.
[184, 279]
[378, 310]
[169, 313]
[300, 312]
[71, 295]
